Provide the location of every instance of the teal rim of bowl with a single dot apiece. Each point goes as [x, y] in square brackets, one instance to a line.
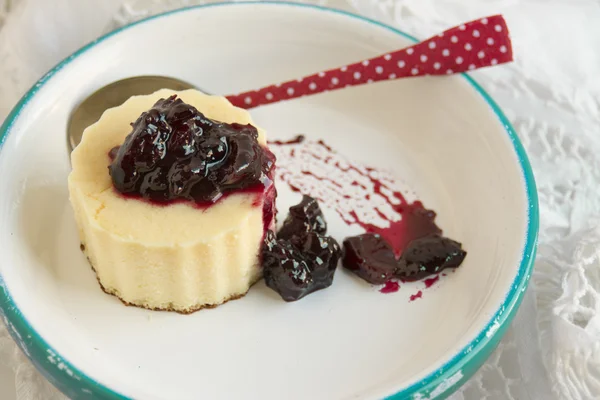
[438, 384]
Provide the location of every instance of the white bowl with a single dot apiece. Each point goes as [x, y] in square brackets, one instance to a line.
[443, 136]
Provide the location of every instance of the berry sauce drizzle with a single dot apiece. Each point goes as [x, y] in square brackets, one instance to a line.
[402, 241]
[400, 221]
[390, 287]
[295, 140]
[415, 296]
[429, 282]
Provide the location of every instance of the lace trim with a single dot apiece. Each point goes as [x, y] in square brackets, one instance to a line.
[551, 94]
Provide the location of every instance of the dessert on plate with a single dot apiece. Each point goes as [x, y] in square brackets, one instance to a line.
[173, 195]
[174, 198]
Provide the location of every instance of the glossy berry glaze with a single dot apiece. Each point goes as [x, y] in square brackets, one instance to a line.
[300, 259]
[175, 153]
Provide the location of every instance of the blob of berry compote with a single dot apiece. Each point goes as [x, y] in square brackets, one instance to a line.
[174, 152]
[370, 257]
[300, 259]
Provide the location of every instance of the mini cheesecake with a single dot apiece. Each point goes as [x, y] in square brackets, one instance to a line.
[172, 194]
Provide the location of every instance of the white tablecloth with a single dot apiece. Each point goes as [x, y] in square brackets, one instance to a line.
[552, 96]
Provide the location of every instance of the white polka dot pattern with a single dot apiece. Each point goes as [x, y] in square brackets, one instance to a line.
[477, 44]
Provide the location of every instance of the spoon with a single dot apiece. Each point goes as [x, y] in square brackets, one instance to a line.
[481, 43]
[112, 95]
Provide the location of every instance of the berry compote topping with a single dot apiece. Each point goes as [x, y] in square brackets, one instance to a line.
[304, 259]
[303, 218]
[174, 152]
[429, 255]
[370, 257]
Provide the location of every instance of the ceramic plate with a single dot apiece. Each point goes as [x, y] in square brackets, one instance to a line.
[443, 140]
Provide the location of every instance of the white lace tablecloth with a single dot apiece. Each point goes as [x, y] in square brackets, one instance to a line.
[552, 96]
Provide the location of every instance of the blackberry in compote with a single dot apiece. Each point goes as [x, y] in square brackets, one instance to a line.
[302, 259]
[427, 256]
[370, 257]
[285, 269]
[304, 217]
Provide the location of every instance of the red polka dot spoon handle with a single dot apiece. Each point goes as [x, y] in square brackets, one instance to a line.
[477, 44]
